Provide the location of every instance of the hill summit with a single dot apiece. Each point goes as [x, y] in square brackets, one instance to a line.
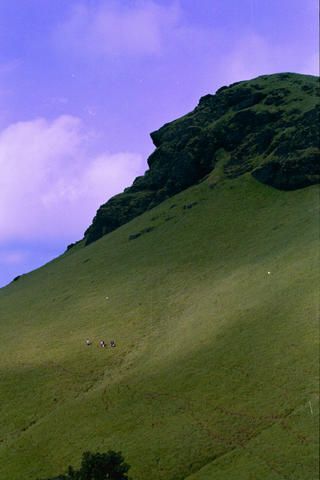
[267, 126]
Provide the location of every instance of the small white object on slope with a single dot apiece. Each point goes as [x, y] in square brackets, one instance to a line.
[269, 273]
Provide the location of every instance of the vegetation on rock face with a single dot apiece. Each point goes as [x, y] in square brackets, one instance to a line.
[267, 126]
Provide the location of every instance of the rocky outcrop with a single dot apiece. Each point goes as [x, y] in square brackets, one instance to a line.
[267, 126]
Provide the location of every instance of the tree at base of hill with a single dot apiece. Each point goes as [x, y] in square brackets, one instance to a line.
[98, 466]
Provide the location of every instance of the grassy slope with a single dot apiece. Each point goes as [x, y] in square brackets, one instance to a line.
[215, 372]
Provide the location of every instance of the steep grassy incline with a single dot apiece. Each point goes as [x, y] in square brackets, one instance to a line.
[215, 371]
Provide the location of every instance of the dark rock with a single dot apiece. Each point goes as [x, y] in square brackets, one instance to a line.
[71, 245]
[133, 236]
[296, 171]
[189, 205]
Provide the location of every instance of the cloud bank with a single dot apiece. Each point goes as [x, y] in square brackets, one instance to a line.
[109, 29]
[50, 185]
[255, 55]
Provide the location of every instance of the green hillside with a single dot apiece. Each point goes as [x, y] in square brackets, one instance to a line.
[215, 371]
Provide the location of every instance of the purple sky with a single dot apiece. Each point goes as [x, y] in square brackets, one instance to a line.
[83, 83]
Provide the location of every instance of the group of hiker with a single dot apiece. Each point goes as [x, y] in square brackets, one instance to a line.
[102, 343]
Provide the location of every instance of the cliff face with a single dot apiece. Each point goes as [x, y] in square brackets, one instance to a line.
[267, 126]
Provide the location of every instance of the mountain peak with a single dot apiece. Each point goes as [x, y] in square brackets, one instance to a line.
[267, 127]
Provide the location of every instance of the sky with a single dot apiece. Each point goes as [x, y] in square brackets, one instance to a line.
[83, 83]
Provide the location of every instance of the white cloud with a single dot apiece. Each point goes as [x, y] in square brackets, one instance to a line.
[12, 257]
[255, 55]
[310, 64]
[50, 184]
[109, 29]
[9, 66]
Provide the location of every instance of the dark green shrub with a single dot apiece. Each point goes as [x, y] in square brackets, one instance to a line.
[98, 466]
